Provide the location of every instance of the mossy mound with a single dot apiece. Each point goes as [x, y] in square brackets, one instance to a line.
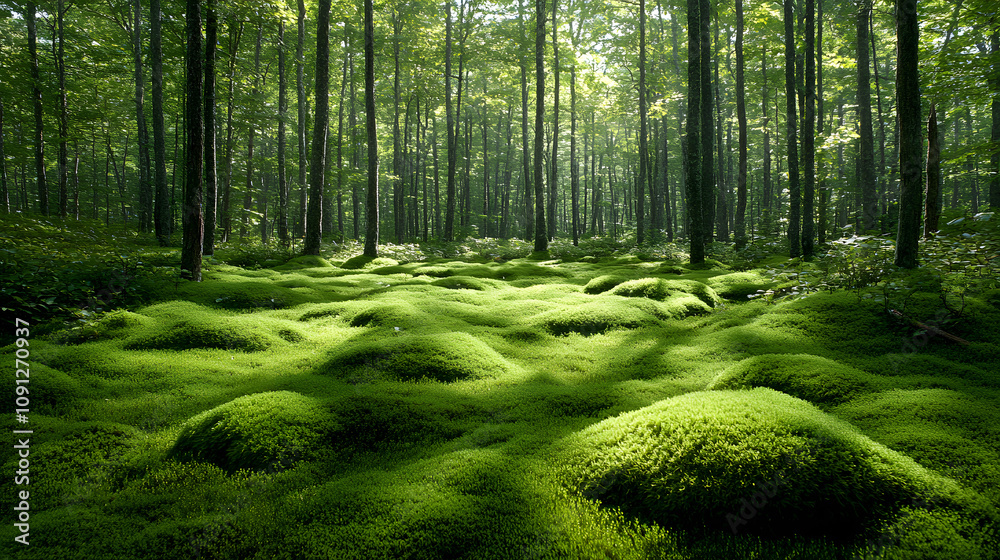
[754, 461]
[818, 380]
[685, 305]
[447, 357]
[116, 324]
[652, 288]
[361, 313]
[738, 285]
[837, 321]
[594, 318]
[224, 333]
[364, 262]
[51, 391]
[460, 283]
[695, 288]
[366, 423]
[603, 283]
[667, 268]
[305, 261]
[263, 431]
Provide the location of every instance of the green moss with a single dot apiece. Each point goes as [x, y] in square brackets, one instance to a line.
[443, 357]
[593, 318]
[116, 324]
[695, 288]
[603, 283]
[305, 261]
[754, 461]
[738, 285]
[685, 305]
[460, 283]
[368, 263]
[652, 288]
[226, 333]
[818, 380]
[262, 431]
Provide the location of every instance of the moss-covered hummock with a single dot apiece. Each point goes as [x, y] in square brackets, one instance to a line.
[439, 357]
[738, 285]
[818, 380]
[263, 431]
[594, 317]
[225, 333]
[754, 461]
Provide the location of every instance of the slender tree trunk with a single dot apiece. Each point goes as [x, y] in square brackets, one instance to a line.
[371, 211]
[554, 167]
[741, 118]
[36, 97]
[574, 170]
[234, 42]
[866, 157]
[766, 188]
[193, 221]
[722, 188]
[882, 190]
[707, 157]
[211, 175]
[340, 140]
[910, 137]
[145, 188]
[282, 124]
[251, 136]
[300, 103]
[794, 242]
[694, 130]
[449, 213]
[4, 194]
[824, 193]
[809, 135]
[541, 237]
[161, 209]
[932, 202]
[640, 193]
[529, 211]
[995, 128]
[64, 107]
[397, 182]
[320, 122]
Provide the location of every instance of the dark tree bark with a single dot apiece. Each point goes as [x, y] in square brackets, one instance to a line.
[932, 202]
[145, 188]
[317, 163]
[36, 98]
[251, 136]
[741, 118]
[300, 131]
[64, 109]
[809, 134]
[340, 138]
[640, 235]
[766, 188]
[553, 164]
[371, 209]
[4, 194]
[234, 42]
[193, 221]
[794, 242]
[694, 130]
[866, 157]
[399, 217]
[910, 136]
[824, 193]
[708, 201]
[573, 169]
[541, 237]
[211, 175]
[161, 208]
[282, 124]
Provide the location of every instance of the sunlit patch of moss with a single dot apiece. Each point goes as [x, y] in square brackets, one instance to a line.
[261, 431]
[652, 288]
[738, 285]
[116, 324]
[603, 283]
[818, 380]
[447, 357]
[460, 283]
[695, 460]
[594, 317]
[368, 263]
[226, 333]
[304, 261]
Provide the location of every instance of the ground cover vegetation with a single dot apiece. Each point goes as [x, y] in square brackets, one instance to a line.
[300, 281]
[447, 403]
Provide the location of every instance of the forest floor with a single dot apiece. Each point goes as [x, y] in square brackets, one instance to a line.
[528, 408]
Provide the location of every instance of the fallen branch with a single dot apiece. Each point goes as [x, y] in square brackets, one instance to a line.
[929, 328]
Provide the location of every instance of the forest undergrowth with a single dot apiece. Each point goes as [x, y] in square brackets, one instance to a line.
[478, 400]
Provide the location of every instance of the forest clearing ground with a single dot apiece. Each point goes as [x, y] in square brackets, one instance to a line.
[446, 409]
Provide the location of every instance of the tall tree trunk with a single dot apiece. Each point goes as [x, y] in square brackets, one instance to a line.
[541, 233]
[910, 137]
[766, 188]
[211, 175]
[300, 131]
[695, 194]
[340, 140]
[449, 213]
[866, 157]
[251, 135]
[707, 164]
[282, 124]
[318, 160]
[371, 210]
[529, 211]
[722, 189]
[640, 235]
[145, 188]
[193, 221]
[808, 134]
[794, 242]
[573, 168]
[882, 189]
[397, 182]
[234, 43]
[36, 97]
[554, 167]
[824, 193]
[932, 202]
[161, 209]
[741, 118]
[995, 128]
[64, 107]
[4, 194]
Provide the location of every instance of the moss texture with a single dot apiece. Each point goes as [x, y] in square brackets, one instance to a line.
[818, 380]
